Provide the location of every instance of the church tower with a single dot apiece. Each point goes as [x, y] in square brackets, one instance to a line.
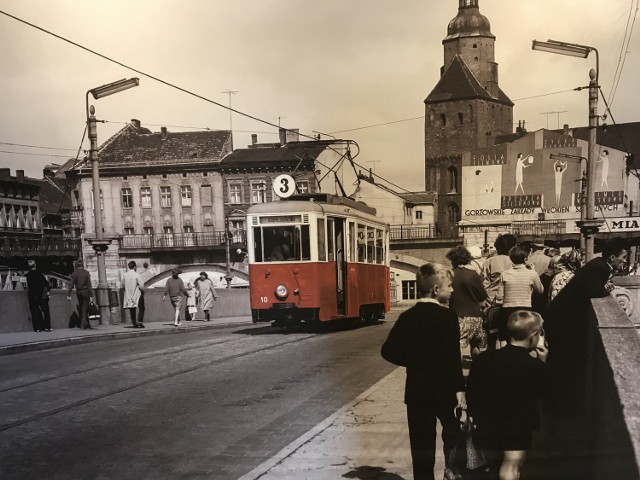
[465, 110]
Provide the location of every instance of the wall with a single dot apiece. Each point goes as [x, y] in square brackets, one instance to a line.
[15, 315]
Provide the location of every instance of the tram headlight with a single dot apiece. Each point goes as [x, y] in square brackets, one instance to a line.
[282, 292]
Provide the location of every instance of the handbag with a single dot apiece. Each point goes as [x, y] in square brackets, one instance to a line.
[475, 456]
[93, 312]
[490, 316]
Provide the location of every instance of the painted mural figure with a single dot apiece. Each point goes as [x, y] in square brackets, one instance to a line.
[604, 159]
[522, 163]
[559, 167]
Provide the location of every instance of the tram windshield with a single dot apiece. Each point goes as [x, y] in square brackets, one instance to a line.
[285, 243]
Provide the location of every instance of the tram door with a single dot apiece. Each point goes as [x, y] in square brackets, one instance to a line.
[337, 243]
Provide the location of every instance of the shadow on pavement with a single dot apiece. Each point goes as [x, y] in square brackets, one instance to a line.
[372, 473]
[325, 327]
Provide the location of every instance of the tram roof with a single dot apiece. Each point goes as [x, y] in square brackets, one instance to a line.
[314, 202]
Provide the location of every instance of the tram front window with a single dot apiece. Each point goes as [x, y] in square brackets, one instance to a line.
[277, 244]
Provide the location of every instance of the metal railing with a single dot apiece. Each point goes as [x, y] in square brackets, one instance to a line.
[180, 240]
[422, 232]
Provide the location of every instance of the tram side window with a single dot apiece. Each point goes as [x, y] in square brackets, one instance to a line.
[352, 240]
[257, 244]
[362, 243]
[379, 246]
[371, 245]
[330, 240]
[322, 244]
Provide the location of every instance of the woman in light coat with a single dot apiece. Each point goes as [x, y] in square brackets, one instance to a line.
[206, 294]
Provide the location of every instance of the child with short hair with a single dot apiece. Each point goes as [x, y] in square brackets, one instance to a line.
[503, 390]
[426, 340]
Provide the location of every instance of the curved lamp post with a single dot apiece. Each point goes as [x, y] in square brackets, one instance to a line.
[101, 244]
[589, 225]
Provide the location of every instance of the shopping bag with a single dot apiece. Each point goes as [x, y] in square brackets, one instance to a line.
[93, 312]
[475, 457]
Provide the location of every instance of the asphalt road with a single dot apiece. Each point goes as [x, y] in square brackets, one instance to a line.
[201, 405]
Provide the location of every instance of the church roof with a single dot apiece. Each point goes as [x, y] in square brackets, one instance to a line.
[459, 83]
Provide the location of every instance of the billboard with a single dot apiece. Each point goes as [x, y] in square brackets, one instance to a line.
[521, 180]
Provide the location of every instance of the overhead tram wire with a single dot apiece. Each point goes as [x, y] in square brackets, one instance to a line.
[36, 146]
[624, 50]
[152, 77]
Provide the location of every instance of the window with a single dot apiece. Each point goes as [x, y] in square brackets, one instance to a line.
[205, 174]
[453, 179]
[235, 193]
[237, 231]
[205, 196]
[287, 243]
[443, 119]
[362, 243]
[185, 195]
[147, 230]
[184, 175]
[460, 118]
[167, 230]
[322, 245]
[371, 245]
[259, 192]
[409, 290]
[127, 198]
[165, 197]
[453, 213]
[128, 230]
[380, 246]
[302, 187]
[75, 199]
[187, 229]
[418, 214]
[164, 175]
[145, 197]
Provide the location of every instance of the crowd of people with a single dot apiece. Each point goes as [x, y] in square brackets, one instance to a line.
[522, 313]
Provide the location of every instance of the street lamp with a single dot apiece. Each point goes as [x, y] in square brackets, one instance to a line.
[589, 225]
[583, 188]
[100, 244]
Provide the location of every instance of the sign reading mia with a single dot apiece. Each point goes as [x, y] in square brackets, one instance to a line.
[625, 224]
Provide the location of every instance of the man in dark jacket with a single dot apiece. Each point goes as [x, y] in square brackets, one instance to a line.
[566, 326]
[81, 280]
[38, 296]
[425, 340]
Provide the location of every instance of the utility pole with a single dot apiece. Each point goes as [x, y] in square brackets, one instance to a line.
[231, 92]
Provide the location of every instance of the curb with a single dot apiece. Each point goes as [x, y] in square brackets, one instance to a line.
[101, 337]
[308, 436]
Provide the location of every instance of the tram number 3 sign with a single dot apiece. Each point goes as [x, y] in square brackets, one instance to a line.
[284, 186]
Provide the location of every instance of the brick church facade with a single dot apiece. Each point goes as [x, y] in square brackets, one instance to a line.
[465, 110]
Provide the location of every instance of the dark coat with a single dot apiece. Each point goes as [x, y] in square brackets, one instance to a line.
[503, 390]
[426, 340]
[468, 293]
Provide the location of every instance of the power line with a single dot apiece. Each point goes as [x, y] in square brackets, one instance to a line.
[140, 72]
[624, 49]
[378, 125]
[35, 154]
[36, 146]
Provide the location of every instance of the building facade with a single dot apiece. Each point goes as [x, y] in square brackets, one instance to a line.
[465, 110]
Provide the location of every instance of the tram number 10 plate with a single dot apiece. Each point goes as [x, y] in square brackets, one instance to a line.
[264, 299]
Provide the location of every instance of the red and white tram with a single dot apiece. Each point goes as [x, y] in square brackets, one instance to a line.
[316, 258]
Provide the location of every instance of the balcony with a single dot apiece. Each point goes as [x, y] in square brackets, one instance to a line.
[194, 240]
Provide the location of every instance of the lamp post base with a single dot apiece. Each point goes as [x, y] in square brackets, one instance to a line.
[101, 245]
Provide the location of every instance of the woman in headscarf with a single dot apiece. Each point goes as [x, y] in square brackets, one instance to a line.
[206, 294]
[563, 270]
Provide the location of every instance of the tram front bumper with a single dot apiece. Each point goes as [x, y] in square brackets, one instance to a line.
[284, 313]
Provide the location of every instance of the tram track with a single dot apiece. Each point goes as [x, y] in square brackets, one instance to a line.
[22, 391]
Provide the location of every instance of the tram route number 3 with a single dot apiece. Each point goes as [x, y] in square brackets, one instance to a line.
[284, 186]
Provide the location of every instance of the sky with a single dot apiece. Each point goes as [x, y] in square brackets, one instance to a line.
[331, 66]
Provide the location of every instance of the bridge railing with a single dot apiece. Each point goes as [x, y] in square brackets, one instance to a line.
[181, 240]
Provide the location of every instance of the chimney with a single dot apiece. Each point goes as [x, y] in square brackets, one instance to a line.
[5, 172]
[50, 170]
[163, 133]
[283, 136]
[293, 135]
[20, 174]
[565, 129]
[254, 138]
[136, 123]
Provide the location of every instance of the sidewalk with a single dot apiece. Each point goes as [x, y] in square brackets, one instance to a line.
[365, 439]
[19, 342]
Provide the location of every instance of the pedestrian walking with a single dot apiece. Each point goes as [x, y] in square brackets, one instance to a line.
[81, 280]
[467, 299]
[426, 341]
[516, 288]
[206, 295]
[503, 391]
[176, 291]
[38, 296]
[191, 308]
[134, 295]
